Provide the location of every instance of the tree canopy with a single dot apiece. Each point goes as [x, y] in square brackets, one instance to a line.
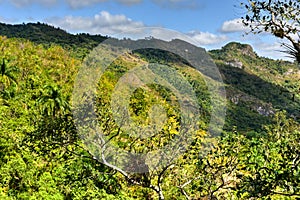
[42, 156]
[281, 18]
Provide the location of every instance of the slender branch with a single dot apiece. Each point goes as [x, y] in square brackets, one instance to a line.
[181, 187]
[287, 194]
[185, 193]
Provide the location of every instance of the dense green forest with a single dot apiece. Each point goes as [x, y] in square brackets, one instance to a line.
[42, 156]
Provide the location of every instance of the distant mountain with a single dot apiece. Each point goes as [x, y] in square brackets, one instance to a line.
[41, 33]
[256, 87]
[257, 84]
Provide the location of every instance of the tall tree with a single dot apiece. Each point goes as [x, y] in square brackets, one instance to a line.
[52, 102]
[7, 76]
[281, 18]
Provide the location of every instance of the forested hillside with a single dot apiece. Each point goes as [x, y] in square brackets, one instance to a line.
[43, 157]
[257, 84]
[46, 35]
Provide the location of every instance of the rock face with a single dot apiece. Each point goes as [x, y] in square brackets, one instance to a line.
[235, 63]
[266, 111]
[233, 54]
[245, 49]
[256, 86]
[253, 103]
[292, 71]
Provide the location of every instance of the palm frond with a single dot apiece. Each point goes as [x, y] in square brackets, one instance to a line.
[291, 51]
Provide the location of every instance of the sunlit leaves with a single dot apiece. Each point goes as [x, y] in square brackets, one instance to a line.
[52, 101]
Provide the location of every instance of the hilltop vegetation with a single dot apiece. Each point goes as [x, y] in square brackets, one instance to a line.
[46, 35]
[257, 84]
[43, 157]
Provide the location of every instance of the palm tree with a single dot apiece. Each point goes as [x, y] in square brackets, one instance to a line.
[293, 51]
[52, 102]
[7, 75]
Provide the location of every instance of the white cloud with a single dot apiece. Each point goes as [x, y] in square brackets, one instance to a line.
[179, 4]
[166, 34]
[76, 4]
[22, 3]
[265, 45]
[129, 2]
[82, 3]
[270, 50]
[235, 25]
[173, 4]
[103, 23]
[7, 20]
[197, 38]
[206, 38]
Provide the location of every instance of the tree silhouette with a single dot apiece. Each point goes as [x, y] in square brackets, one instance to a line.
[7, 76]
[52, 102]
[281, 18]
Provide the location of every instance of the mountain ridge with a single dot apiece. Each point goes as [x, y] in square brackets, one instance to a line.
[256, 86]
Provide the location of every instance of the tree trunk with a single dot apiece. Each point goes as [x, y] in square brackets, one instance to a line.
[161, 195]
[297, 48]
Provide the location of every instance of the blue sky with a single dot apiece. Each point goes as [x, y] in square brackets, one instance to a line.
[212, 23]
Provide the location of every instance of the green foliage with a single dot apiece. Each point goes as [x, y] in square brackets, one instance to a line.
[46, 35]
[41, 154]
[273, 161]
[43, 157]
[278, 17]
[255, 83]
